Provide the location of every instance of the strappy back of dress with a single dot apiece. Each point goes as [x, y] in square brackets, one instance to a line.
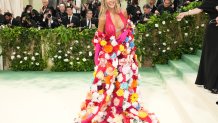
[110, 28]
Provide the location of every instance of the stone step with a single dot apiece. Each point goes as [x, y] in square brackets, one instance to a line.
[190, 106]
[192, 60]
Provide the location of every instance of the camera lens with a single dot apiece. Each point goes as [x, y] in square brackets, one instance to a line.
[49, 15]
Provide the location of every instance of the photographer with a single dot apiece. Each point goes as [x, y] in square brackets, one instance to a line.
[61, 13]
[1, 18]
[48, 20]
[26, 21]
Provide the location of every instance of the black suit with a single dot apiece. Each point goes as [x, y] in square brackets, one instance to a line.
[85, 23]
[1, 19]
[73, 19]
[14, 22]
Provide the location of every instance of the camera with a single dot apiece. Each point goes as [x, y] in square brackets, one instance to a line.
[49, 15]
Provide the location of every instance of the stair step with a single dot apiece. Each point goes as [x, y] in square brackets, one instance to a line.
[199, 53]
[192, 60]
[190, 106]
[181, 68]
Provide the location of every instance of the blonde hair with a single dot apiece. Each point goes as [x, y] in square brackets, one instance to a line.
[104, 7]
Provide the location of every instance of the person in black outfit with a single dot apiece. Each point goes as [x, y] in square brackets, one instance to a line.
[208, 69]
[1, 18]
[71, 20]
[159, 2]
[134, 11]
[9, 20]
[89, 21]
[152, 5]
[147, 13]
[165, 7]
[61, 13]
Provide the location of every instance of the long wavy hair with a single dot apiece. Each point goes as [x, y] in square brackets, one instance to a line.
[104, 7]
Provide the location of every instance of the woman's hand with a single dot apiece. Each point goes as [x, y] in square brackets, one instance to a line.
[181, 16]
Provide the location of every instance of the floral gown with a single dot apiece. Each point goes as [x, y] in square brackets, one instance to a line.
[113, 96]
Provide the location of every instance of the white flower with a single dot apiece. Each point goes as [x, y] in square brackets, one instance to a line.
[71, 63]
[59, 57]
[60, 51]
[197, 27]
[163, 22]
[163, 51]
[84, 59]
[114, 43]
[68, 52]
[77, 58]
[168, 48]
[31, 62]
[66, 60]
[25, 52]
[186, 21]
[36, 54]
[78, 62]
[18, 56]
[168, 30]
[186, 34]
[58, 43]
[164, 44]
[175, 42]
[33, 58]
[21, 62]
[37, 64]
[191, 48]
[71, 48]
[143, 48]
[14, 53]
[202, 25]
[156, 25]
[55, 56]
[90, 53]
[76, 41]
[80, 52]
[52, 59]
[12, 57]
[18, 47]
[159, 32]
[66, 55]
[147, 35]
[25, 58]
[88, 46]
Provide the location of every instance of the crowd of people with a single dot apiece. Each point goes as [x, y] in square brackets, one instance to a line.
[63, 14]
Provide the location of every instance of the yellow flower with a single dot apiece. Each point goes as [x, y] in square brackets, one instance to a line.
[101, 91]
[107, 98]
[134, 97]
[103, 43]
[120, 92]
[115, 72]
[142, 114]
[94, 73]
[121, 48]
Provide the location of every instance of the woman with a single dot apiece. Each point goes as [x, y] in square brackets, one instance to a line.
[113, 96]
[208, 69]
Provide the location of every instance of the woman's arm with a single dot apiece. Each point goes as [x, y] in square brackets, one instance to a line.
[188, 13]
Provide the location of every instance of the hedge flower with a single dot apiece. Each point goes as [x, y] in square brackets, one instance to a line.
[12, 57]
[103, 42]
[36, 54]
[66, 60]
[37, 64]
[156, 25]
[90, 53]
[163, 22]
[25, 58]
[84, 59]
[18, 56]
[21, 62]
[59, 57]
[18, 47]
